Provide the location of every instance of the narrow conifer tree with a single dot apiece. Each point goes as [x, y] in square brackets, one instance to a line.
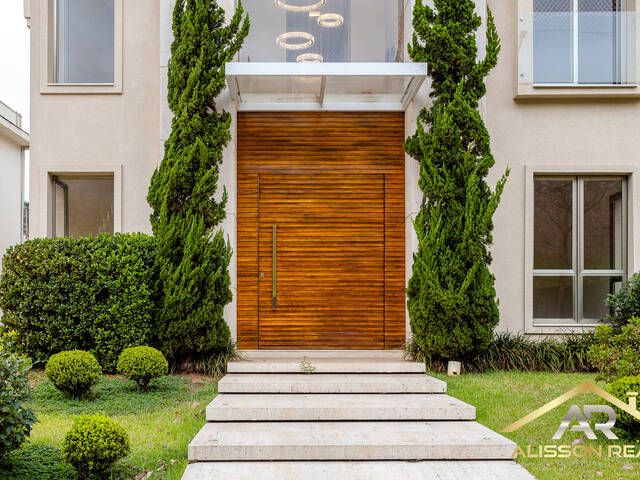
[451, 296]
[192, 254]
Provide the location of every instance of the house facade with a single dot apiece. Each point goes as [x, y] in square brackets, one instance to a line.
[321, 194]
[14, 141]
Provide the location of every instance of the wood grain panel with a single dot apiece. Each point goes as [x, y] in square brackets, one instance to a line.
[333, 183]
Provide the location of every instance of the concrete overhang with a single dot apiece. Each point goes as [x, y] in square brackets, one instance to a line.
[13, 132]
[327, 86]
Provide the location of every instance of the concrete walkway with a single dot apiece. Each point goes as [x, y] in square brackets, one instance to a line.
[359, 415]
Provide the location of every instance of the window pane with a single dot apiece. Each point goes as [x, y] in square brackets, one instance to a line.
[553, 224]
[553, 41]
[84, 41]
[332, 31]
[60, 203]
[553, 298]
[595, 291]
[603, 220]
[598, 41]
[90, 205]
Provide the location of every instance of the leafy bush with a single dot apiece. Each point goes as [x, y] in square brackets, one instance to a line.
[619, 389]
[508, 351]
[142, 364]
[36, 461]
[615, 353]
[16, 419]
[625, 303]
[73, 372]
[92, 293]
[94, 444]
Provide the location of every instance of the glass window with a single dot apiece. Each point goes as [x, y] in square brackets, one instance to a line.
[82, 206]
[83, 41]
[579, 41]
[579, 247]
[324, 31]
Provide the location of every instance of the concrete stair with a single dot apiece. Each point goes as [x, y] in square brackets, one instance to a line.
[360, 415]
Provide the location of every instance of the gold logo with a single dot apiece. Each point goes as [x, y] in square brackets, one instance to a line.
[630, 408]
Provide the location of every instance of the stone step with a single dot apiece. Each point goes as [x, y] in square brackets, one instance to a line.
[254, 441]
[228, 407]
[330, 383]
[325, 365]
[390, 470]
[299, 355]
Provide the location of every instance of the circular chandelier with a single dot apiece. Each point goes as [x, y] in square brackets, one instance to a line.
[300, 8]
[310, 58]
[330, 20]
[295, 40]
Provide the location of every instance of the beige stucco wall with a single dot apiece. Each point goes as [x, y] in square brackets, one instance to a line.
[115, 132]
[126, 132]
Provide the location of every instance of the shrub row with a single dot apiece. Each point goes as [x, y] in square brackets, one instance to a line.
[93, 293]
[508, 351]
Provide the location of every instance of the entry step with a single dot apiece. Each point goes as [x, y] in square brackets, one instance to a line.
[251, 441]
[389, 470]
[330, 383]
[233, 407]
[325, 365]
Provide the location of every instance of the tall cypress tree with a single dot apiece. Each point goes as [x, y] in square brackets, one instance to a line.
[451, 296]
[192, 254]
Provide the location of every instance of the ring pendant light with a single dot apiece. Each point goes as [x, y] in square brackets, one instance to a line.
[309, 58]
[300, 8]
[295, 40]
[330, 20]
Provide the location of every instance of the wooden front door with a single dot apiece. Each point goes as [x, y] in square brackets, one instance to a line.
[327, 287]
[320, 230]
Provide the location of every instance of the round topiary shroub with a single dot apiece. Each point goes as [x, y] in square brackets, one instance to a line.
[142, 364]
[94, 444]
[73, 372]
[619, 389]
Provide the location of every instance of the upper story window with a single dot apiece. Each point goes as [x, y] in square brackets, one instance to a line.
[583, 41]
[324, 31]
[82, 42]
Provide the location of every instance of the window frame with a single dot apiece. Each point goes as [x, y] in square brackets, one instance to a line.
[48, 173]
[47, 55]
[525, 89]
[567, 168]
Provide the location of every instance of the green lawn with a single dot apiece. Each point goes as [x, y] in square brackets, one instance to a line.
[501, 398]
[160, 423]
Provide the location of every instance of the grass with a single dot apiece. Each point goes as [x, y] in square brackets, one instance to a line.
[501, 398]
[160, 423]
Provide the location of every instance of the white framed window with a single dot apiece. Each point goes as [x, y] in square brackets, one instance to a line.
[579, 247]
[583, 41]
[81, 46]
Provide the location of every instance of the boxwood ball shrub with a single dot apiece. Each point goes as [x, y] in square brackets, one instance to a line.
[619, 389]
[94, 444]
[16, 417]
[92, 293]
[142, 364]
[73, 372]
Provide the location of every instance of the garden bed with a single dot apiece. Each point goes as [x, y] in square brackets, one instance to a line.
[160, 423]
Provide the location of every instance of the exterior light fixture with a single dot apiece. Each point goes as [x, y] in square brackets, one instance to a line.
[295, 40]
[309, 58]
[300, 8]
[330, 20]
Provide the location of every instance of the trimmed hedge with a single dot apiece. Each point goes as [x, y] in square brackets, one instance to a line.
[142, 364]
[518, 352]
[615, 351]
[73, 372]
[92, 293]
[619, 389]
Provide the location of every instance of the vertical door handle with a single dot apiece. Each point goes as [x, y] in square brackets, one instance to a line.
[274, 272]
